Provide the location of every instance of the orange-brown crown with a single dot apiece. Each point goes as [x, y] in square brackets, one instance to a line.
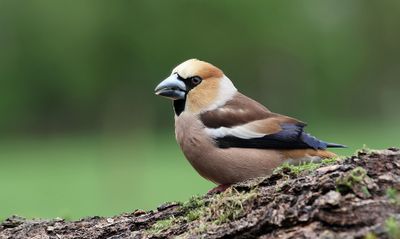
[194, 67]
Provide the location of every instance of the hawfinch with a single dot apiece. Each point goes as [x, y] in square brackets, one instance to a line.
[228, 137]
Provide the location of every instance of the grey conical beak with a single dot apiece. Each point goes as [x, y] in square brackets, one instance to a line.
[172, 88]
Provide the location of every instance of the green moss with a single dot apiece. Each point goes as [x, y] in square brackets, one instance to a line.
[161, 225]
[392, 195]
[345, 183]
[193, 215]
[370, 235]
[228, 207]
[221, 208]
[297, 169]
[365, 191]
[205, 213]
[366, 150]
[201, 227]
[392, 228]
[191, 211]
[193, 202]
[192, 208]
[332, 160]
[306, 166]
[357, 174]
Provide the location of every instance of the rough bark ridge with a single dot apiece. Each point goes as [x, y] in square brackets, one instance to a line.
[355, 197]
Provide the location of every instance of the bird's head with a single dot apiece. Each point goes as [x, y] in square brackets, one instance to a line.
[196, 86]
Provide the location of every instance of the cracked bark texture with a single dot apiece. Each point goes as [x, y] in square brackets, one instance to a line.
[352, 198]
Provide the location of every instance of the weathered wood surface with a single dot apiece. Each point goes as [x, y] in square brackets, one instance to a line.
[356, 197]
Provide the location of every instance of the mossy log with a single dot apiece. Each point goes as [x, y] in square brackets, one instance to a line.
[354, 197]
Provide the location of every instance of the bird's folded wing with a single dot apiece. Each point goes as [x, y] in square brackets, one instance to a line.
[245, 123]
[242, 110]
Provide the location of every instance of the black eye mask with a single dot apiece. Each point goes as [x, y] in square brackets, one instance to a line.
[190, 82]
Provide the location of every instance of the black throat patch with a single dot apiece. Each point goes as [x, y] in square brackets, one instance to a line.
[179, 106]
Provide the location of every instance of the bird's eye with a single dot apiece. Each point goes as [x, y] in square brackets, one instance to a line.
[196, 80]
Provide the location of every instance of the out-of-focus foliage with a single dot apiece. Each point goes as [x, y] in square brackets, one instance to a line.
[89, 65]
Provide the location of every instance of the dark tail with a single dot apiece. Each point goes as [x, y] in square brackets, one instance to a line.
[318, 144]
[333, 145]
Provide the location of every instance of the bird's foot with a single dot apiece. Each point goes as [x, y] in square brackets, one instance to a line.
[219, 189]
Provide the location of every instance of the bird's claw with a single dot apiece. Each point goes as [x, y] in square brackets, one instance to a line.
[219, 189]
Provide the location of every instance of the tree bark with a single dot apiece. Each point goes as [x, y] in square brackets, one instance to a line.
[355, 197]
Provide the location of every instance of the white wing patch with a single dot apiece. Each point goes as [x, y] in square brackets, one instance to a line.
[238, 131]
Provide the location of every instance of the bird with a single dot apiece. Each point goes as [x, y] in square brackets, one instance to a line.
[228, 137]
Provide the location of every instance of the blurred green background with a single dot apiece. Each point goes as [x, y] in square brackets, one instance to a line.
[81, 132]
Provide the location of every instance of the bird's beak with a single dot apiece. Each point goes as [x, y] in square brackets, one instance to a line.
[172, 88]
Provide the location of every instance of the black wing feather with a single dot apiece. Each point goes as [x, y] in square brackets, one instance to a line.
[290, 137]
